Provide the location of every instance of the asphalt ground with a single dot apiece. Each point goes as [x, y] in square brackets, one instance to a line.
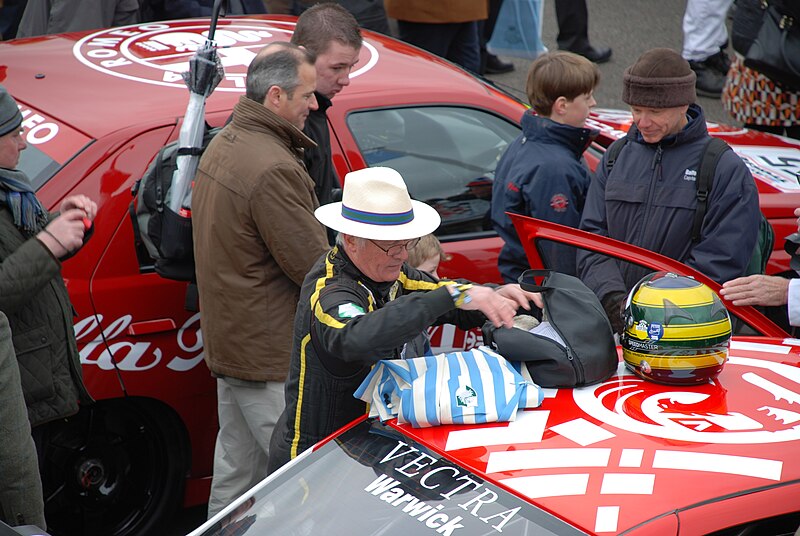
[629, 27]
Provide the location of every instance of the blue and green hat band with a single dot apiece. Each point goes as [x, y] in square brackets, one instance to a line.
[377, 218]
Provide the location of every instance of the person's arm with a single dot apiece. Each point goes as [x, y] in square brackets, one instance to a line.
[283, 210]
[730, 227]
[598, 271]
[793, 299]
[348, 328]
[558, 194]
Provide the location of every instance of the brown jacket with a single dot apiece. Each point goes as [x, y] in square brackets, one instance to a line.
[255, 238]
[435, 11]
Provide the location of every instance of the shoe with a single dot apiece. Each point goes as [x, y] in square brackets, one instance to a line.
[595, 54]
[720, 62]
[495, 65]
[709, 80]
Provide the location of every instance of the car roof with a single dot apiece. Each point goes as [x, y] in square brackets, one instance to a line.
[69, 77]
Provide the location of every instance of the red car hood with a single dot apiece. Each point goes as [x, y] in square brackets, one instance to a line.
[615, 455]
[55, 71]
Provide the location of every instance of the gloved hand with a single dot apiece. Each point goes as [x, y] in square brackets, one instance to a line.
[612, 305]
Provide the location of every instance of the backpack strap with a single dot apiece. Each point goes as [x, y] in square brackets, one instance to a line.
[613, 152]
[712, 152]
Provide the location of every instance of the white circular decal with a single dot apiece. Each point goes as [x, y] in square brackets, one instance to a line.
[766, 408]
[158, 53]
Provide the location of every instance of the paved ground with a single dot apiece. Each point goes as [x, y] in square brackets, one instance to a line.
[629, 28]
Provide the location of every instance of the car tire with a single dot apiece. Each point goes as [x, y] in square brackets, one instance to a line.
[118, 468]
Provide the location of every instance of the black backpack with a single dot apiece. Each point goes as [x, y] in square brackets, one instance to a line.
[588, 354]
[166, 235]
[713, 151]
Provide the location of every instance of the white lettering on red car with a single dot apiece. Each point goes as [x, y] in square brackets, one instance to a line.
[159, 53]
[135, 356]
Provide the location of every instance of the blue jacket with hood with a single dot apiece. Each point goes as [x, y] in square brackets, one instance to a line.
[541, 175]
[649, 200]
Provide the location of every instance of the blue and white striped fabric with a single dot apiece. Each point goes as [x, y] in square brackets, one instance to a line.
[471, 387]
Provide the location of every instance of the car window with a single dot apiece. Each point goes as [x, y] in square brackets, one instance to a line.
[447, 156]
[372, 479]
[37, 165]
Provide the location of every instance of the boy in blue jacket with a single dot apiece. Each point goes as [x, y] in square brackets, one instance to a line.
[542, 173]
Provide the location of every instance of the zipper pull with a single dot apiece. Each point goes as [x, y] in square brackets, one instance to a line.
[656, 158]
[569, 352]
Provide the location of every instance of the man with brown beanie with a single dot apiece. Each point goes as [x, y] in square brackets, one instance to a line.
[649, 196]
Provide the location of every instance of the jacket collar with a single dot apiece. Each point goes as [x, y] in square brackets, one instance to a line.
[340, 259]
[539, 128]
[251, 115]
[323, 102]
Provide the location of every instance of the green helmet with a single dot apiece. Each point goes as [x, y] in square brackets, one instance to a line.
[677, 330]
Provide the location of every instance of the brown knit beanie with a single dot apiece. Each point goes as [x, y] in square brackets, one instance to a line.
[660, 78]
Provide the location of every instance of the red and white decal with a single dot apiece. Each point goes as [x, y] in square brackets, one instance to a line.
[157, 53]
[630, 448]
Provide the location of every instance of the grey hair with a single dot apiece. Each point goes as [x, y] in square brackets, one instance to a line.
[360, 242]
[279, 67]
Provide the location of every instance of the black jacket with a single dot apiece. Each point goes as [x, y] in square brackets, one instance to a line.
[345, 322]
[649, 200]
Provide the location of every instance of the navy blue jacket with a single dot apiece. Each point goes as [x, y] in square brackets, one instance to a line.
[649, 200]
[541, 175]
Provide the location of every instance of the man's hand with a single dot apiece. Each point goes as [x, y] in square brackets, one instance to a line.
[64, 234]
[80, 202]
[757, 290]
[498, 309]
[523, 298]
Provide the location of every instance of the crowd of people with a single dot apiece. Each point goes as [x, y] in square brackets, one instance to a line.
[343, 277]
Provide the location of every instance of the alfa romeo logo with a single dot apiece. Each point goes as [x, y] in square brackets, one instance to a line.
[158, 53]
[765, 410]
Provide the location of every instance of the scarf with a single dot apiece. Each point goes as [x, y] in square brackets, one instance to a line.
[17, 194]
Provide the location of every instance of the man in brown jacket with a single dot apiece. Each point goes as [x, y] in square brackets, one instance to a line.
[255, 238]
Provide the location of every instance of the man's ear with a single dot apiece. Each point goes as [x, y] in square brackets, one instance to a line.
[273, 97]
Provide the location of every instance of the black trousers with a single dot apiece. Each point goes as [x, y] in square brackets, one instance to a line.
[573, 25]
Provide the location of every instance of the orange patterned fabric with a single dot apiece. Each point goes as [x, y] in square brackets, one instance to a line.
[750, 97]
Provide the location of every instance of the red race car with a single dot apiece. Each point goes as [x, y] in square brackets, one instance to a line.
[97, 107]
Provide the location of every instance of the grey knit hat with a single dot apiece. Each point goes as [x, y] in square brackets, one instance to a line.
[660, 78]
[10, 117]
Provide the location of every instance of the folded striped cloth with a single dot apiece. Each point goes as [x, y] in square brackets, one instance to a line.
[472, 387]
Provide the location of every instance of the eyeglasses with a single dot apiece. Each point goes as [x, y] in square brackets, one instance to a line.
[396, 249]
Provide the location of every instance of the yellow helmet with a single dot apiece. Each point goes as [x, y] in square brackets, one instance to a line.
[677, 330]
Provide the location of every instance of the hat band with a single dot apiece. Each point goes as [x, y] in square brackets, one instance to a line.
[377, 218]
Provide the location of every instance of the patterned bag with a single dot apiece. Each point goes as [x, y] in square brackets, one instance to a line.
[472, 387]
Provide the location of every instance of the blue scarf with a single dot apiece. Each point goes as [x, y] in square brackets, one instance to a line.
[17, 194]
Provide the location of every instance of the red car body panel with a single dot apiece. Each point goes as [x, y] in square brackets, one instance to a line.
[100, 105]
[621, 455]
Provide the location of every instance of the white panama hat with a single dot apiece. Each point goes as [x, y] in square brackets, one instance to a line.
[376, 205]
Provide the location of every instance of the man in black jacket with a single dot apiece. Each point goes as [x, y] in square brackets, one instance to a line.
[361, 302]
[331, 33]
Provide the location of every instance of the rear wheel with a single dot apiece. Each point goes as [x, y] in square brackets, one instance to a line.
[116, 468]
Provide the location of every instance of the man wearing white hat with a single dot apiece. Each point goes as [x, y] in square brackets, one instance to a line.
[362, 303]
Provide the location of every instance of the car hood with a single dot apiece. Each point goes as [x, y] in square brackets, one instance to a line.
[60, 76]
[615, 455]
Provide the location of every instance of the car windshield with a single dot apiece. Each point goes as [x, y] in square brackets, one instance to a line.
[371, 479]
[37, 165]
[446, 154]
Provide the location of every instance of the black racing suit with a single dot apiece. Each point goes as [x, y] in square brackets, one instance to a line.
[345, 322]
